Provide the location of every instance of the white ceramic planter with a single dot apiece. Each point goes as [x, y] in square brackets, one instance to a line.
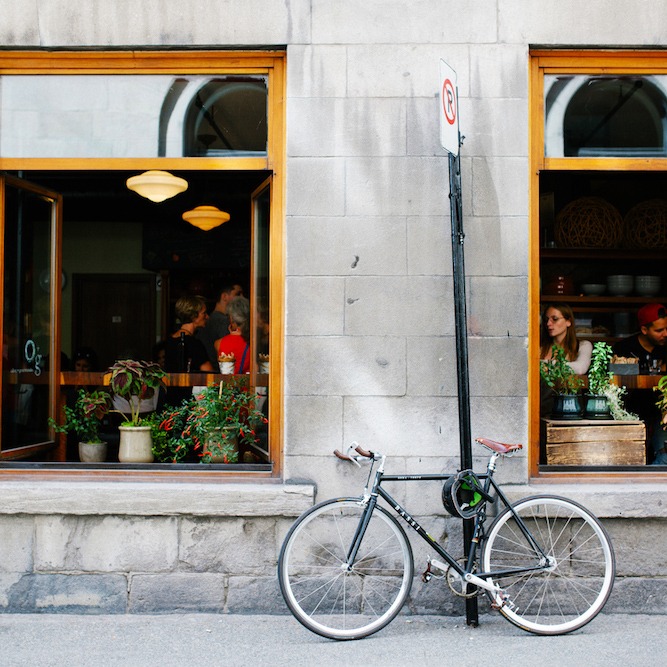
[136, 444]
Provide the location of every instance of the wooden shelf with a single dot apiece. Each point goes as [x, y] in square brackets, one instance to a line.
[601, 254]
[578, 298]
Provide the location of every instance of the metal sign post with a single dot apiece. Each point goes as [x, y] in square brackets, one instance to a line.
[451, 140]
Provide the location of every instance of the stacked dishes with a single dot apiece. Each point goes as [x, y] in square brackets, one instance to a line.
[593, 289]
[620, 285]
[647, 285]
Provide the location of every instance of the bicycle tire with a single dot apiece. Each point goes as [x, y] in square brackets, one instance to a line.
[574, 587]
[321, 593]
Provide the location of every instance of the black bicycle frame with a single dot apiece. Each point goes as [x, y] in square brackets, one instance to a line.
[489, 483]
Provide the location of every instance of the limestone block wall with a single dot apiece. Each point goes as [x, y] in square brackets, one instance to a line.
[369, 328]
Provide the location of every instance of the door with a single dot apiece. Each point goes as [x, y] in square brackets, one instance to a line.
[30, 284]
[114, 314]
[260, 365]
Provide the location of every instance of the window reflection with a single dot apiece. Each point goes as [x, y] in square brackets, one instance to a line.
[623, 116]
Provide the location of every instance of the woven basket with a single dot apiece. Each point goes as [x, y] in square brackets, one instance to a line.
[589, 222]
[646, 224]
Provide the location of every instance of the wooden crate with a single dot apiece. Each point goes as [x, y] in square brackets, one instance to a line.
[594, 442]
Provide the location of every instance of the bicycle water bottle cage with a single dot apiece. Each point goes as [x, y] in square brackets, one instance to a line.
[462, 495]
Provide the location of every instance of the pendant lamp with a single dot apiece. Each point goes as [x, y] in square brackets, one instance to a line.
[206, 217]
[157, 185]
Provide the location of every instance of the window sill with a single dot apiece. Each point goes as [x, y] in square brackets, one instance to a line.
[167, 498]
[607, 500]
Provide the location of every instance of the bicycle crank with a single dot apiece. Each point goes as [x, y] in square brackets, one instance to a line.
[458, 585]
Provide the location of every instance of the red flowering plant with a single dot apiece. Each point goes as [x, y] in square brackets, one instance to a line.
[210, 426]
[85, 416]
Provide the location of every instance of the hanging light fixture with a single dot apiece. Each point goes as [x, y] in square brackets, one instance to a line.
[157, 185]
[206, 217]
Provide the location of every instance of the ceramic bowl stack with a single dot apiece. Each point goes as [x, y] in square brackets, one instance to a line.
[621, 285]
[647, 285]
[593, 289]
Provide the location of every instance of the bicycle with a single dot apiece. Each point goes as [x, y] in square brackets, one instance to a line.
[346, 566]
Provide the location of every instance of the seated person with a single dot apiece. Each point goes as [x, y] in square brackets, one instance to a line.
[237, 341]
[558, 329]
[85, 360]
[649, 343]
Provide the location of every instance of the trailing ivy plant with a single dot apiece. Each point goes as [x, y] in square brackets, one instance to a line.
[558, 374]
[614, 395]
[599, 377]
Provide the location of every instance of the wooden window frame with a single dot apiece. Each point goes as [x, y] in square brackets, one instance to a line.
[571, 61]
[271, 63]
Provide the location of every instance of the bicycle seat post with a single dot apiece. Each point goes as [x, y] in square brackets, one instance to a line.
[491, 468]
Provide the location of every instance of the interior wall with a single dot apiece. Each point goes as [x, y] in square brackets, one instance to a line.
[91, 247]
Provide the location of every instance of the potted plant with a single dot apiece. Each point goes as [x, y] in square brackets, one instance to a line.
[599, 379]
[135, 381]
[167, 426]
[662, 401]
[84, 418]
[210, 426]
[557, 374]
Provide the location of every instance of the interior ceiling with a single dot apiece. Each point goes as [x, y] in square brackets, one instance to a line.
[102, 196]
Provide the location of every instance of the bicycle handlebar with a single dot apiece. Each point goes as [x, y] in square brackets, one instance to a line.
[354, 447]
[501, 448]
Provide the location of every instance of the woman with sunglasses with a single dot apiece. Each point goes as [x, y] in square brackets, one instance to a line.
[558, 329]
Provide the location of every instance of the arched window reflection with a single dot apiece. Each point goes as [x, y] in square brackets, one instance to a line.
[227, 116]
[610, 116]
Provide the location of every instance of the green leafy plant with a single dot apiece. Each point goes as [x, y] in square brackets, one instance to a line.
[209, 426]
[167, 426]
[85, 417]
[135, 381]
[599, 377]
[662, 401]
[557, 373]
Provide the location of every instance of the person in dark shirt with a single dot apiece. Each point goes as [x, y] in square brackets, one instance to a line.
[650, 342]
[649, 345]
[183, 352]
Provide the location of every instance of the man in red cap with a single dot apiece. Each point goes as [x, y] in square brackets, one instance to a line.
[651, 341]
[649, 345]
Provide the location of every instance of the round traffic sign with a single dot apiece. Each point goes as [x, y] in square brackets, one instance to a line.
[449, 101]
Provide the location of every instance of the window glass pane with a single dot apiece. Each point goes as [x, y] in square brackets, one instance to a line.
[131, 116]
[261, 217]
[228, 116]
[27, 318]
[615, 116]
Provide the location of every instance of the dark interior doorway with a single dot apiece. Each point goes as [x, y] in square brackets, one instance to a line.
[114, 315]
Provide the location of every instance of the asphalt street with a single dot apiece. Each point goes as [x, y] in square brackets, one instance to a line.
[234, 640]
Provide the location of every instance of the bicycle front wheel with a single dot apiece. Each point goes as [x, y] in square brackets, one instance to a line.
[327, 596]
[563, 591]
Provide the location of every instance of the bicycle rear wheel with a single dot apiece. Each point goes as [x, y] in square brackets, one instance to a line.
[567, 591]
[322, 592]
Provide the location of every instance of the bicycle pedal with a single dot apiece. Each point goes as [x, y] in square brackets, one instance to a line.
[426, 577]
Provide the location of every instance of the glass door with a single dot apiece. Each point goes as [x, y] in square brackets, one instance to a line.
[260, 365]
[30, 284]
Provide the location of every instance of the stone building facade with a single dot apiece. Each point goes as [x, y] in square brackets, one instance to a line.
[367, 316]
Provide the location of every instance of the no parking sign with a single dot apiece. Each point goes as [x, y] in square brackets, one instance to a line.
[449, 109]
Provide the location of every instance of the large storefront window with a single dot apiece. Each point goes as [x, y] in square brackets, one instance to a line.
[76, 134]
[599, 219]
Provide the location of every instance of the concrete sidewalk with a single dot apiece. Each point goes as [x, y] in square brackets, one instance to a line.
[205, 639]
